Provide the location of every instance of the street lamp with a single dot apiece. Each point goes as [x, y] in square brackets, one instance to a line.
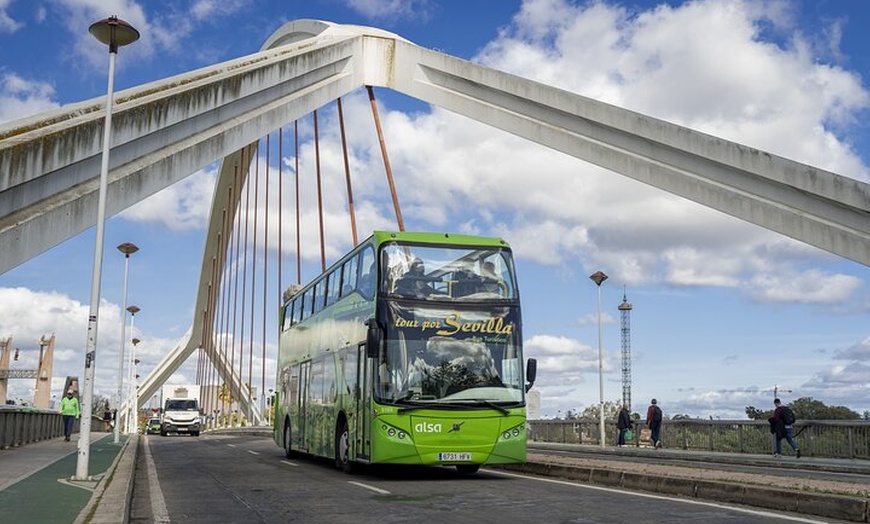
[599, 277]
[115, 33]
[132, 310]
[128, 248]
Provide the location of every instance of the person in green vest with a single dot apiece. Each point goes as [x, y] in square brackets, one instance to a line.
[69, 409]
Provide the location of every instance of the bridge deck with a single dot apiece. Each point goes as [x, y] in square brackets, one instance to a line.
[31, 473]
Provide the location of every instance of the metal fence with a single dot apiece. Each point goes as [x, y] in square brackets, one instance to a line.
[848, 439]
[20, 426]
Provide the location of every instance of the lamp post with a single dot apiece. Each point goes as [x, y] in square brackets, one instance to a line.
[132, 310]
[128, 248]
[599, 277]
[115, 33]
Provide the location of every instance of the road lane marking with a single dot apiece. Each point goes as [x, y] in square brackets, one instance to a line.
[158, 503]
[290, 463]
[252, 452]
[231, 445]
[662, 497]
[366, 486]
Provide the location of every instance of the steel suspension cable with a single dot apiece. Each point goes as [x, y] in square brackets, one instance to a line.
[237, 241]
[319, 194]
[347, 174]
[221, 349]
[298, 242]
[265, 268]
[254, 263]
[245, 277]
[386, 158]
[209, 342]
[280, 213]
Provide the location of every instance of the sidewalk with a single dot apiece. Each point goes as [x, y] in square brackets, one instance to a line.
[35, 485]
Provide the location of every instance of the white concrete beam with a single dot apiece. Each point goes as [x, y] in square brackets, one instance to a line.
[820, 208]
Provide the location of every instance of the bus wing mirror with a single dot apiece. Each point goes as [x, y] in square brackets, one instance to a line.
[373, 339]
[531, 372]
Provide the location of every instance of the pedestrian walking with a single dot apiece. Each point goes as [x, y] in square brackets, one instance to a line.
[782, 427]
[70, 411]
[654, 423]
[623, 425]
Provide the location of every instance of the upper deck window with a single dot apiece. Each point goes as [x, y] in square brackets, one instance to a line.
[448, 273]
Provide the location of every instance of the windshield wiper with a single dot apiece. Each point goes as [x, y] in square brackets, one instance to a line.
[466, 404]
[492, 405]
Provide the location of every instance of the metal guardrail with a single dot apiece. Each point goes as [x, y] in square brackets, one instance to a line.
[22, 426]
[849, 439]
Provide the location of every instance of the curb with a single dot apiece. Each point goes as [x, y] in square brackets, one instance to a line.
[110, 502]
[842, 507]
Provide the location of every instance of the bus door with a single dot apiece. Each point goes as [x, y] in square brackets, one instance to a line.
[363, 403]
[304, 374]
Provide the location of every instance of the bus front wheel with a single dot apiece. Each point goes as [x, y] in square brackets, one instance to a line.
[342, 447]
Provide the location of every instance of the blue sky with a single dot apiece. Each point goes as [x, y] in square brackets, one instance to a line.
[723, 310]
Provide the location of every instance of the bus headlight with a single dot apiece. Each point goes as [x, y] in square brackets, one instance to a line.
[513, 433]
[393, 432]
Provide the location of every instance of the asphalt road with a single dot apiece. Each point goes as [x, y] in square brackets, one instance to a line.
[226, 478]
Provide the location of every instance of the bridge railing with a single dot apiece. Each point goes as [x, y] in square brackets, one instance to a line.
[20, 426]
[848, 439]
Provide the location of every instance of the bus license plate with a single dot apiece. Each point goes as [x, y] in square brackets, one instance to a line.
[454, 457]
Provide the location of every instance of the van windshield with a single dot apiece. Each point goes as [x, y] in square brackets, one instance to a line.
[181, 405]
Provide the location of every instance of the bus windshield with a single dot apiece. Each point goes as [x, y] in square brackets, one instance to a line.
[456, 355]
[447, 273]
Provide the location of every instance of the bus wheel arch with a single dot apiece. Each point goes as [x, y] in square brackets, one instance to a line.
[342, 444]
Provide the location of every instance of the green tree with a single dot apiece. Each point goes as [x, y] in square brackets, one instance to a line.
[807, 408]
[611, 410]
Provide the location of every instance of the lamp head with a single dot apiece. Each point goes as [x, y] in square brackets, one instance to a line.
[114, 32]
[598, 277]
[128, 248]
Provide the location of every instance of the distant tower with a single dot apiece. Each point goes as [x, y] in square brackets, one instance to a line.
[625, 324]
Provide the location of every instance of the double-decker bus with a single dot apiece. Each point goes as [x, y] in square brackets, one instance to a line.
[408, 350]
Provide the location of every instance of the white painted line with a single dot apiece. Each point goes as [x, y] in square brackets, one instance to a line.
[372, 488]
[158, 503]
[252, 452]
[290, 463]
[231, 445]
[662, 497]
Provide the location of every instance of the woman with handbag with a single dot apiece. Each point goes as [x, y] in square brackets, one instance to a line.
[623, 426]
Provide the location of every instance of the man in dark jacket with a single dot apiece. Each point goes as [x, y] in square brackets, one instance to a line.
[781, 427]
[654, 423]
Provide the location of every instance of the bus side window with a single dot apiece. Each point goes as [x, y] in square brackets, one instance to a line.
[288, 316]
[306, 303]
[348, 280]
[318, 295]
[333, 287]
[297, 309]
[368, 271]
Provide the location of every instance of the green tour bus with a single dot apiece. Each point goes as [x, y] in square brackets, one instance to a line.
[408, 350]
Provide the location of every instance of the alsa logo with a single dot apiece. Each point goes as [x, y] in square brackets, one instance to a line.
[427, 427]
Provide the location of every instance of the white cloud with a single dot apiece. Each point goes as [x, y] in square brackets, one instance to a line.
[21, 98]
[812, 286]
[859, 351]
[7, 23]
[27, 315]
[181, 206]
[391, 9]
